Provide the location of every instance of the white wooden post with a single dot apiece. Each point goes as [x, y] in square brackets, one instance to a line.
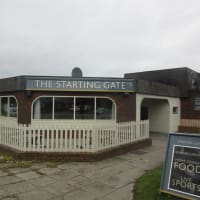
[56, 139]
[94, 138]
[147, 123]
[116, 134]
[20, 128]
[84, 141]
[24, 134]
[137, 129]
[47, 140]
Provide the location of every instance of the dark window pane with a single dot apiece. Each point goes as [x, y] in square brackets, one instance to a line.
[13, 107]
[197, 103]
[64, 108]
[175, 110]
[46, 108]
[84, 108]
[4, 106]
[105, 109]
[42, 108]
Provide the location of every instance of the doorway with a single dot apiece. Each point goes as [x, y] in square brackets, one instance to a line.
[157, 111]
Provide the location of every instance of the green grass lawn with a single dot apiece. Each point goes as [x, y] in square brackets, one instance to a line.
[148, 187]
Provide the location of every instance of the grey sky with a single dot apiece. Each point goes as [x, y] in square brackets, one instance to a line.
[102, 37]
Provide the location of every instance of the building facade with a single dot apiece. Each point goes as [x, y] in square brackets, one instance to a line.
[187, 82]
[76, 114]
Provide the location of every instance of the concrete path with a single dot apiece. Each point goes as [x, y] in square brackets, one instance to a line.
[110, 179]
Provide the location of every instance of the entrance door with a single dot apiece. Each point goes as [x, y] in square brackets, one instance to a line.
[157, 111]
[144, 113]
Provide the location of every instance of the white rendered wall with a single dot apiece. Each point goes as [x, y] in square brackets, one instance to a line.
[174, 118]
[161, 116]
[158, 115]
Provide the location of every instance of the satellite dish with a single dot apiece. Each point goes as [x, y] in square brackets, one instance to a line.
[76, 72]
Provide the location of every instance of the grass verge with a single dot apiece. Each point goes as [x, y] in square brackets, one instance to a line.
[7, 161]
[147, 187]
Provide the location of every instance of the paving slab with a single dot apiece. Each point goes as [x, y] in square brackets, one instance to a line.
[3, 173]
[10, 198]
[58, 188]
[124, 193]
[121, 180]
[98, 189]
[18, 170]
[79, 194]
[49, 170]
[65, 166]
[5, 180]
[57, 198]
[97, 171]
[2, 193]
[16, 188]
[65, 175]
[42, 181]
[81, 180]
[35, 195]
[36, 166]
[28, 175]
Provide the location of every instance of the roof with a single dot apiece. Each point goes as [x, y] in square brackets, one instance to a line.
[184, 78]
[58, 83]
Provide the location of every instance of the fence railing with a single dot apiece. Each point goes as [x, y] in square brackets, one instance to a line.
[190, 123]
[71, 138]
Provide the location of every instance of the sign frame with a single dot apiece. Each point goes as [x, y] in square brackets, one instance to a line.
[81, 85]
[183, 141]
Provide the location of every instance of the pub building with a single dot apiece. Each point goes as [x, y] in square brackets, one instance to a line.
[89, 118]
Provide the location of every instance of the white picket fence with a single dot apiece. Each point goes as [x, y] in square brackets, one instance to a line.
[71, 138]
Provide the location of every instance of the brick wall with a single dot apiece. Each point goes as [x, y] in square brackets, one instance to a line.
[187, 108]
[76, 156]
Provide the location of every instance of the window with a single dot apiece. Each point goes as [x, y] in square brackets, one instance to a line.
[8, 107]
[63, 108]
[12, 107]
[4, 106]
[197, 103]
[43, 108]
[105, 109]
[175, 110]
[83, 108]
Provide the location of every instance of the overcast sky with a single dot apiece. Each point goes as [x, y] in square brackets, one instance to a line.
[102, 37]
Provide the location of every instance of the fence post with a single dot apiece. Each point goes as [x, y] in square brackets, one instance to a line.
[24, 138]
[20, 137]
[94, 138]
[138, 130]
[0, 133]
[147, 123]
[116, 134]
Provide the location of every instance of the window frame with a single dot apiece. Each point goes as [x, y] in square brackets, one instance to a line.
[8, 107]
[55, 112]
[194, 103]
[96, 107]
[175, 110]
[74, 113]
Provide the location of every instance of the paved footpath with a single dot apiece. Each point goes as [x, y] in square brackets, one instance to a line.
[110, 179]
